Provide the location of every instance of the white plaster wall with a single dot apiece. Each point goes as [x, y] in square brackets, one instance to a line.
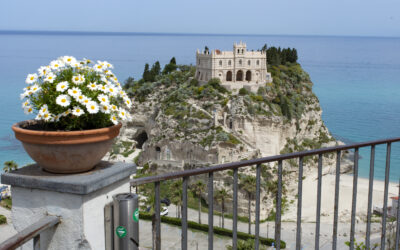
[82, 216]
[30, 205]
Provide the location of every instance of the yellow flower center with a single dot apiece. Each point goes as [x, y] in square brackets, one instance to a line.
[63, 100]
[46, 115]
[62, 86]
[44, 110]
[78, 110]
[92, 107]
[32, 77]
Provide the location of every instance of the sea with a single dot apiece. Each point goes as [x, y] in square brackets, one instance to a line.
[356, 79]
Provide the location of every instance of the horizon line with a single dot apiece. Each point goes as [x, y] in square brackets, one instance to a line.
[131, 33]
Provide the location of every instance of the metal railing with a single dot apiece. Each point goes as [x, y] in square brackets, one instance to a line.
[31, 232]
[185, 175]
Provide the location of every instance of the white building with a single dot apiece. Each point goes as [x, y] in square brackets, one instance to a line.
[236, 69]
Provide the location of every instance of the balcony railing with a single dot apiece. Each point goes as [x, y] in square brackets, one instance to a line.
[31, 232]
[185, 175]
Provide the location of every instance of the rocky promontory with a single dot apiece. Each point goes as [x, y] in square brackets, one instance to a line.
[179, 124]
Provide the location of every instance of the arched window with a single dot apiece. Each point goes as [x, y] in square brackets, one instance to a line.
[240, 62]
[229, 63]
[239, 76]
[199, 61]
[248, 62]
[258, 62]
[248, 75]
[220, 62]
[238, 51]
[229, 76]
[242, 51]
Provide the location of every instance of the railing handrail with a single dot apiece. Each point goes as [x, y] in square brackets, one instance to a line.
[29, 232]
[234, 165]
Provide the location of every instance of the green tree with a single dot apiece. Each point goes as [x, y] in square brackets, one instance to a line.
[146, 73]
[248, 184]
[198, 188]
[10, 166]
[220, 196]
[129, 82]
[170, 67]
[176, 198]
[155, 71]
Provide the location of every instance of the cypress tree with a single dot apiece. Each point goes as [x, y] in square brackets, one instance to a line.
[146, 73]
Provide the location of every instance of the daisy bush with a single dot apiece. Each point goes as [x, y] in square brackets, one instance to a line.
[74, 95]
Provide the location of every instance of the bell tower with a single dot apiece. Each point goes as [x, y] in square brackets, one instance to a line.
[239, 48]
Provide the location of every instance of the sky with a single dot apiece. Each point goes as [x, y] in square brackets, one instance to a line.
[277, 17]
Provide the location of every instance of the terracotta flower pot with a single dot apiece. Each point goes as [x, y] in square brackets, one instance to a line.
[66, 151]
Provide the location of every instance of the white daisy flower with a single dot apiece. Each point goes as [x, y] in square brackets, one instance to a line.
[98, 67]
[50, 77]
[44, 109]
[25, 104]
[114, 107]
[35, 88]
[80, 98]
[103, 99]
[57, 117]
[56, 64]
[78, 79]
[92, 107]
[31, 78]
[63, 100]
[128, 102]
[111, 89]
[38, 117]
[103, 88]
[108, 65]
[44, 70]
[28, 110]
[62, 86]
[74, 92]
[47, 117]
[105, 108]
[86, 100]
[67, 112]
[76, 64]
[87, 61]
[77, 111]
[92, 86]
[122, 114]
[114, 119]
[69, 60]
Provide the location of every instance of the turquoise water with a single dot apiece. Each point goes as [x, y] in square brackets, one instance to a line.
[355, 78]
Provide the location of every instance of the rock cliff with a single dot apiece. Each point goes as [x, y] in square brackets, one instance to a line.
[179, 124]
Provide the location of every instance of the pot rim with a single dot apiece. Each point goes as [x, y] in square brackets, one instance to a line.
[64, 137]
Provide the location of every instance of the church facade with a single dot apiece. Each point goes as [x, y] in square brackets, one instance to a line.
[236, 69]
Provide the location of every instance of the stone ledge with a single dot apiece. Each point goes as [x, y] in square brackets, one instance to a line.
[104, 174]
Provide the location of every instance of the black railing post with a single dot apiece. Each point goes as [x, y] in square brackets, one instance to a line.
[257, 230]
[385, 196]
[299, 204]
[235, 205]
[370, 192]
[157, 211]
[319, 191]
[210, 211]
[184, 213]
[336, 206]
[278, 208]
[354, 199]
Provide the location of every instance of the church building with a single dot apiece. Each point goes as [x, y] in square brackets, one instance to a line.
[236, 69]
